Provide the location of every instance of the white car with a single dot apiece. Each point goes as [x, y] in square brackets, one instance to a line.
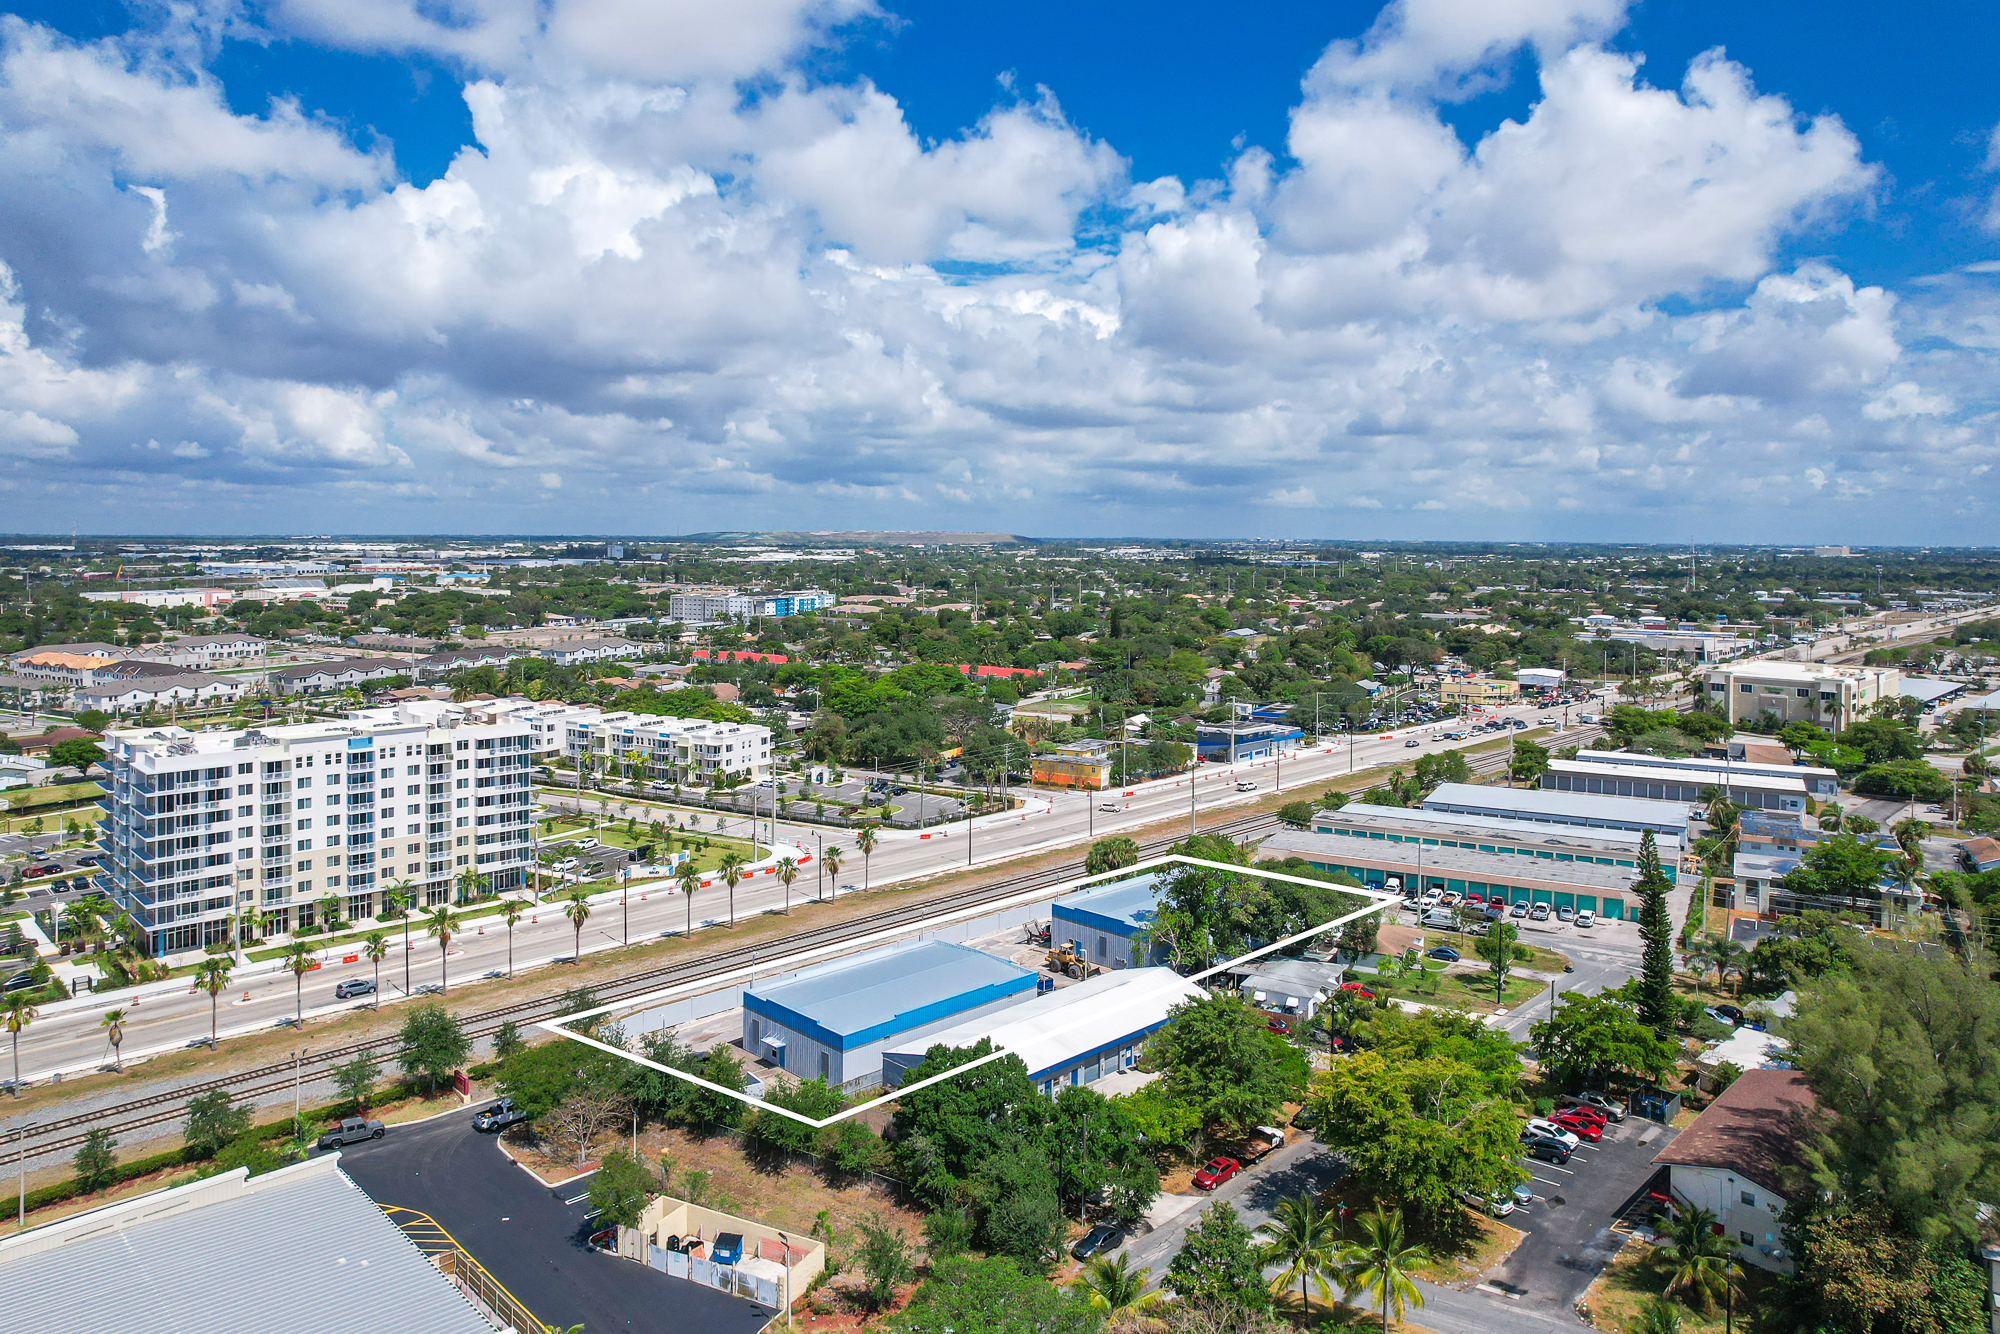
[1586, 918]
[1499, 1208]
[1246, 786]
[1553, 1131]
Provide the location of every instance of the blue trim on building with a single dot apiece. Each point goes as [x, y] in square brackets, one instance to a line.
[902, 1022]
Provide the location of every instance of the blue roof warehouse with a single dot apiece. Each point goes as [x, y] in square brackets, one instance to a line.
[1107, 923]
[834, 1020]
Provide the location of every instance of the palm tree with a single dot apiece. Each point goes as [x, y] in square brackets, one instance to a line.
[1379, 1265]
[375, 948]
[402, 896]
[1696, 1257]
[689, 879]
[788, 871]
[298, 961]
[635, 764]
[732, 871]
[212, 976]
[511, 914]
[1305, 1239]
[471, 884]
[578, 913]
[1658, 1315]
[1110, 1284]
[242, 931]
[832, 857]
[1729, 957]
[113, 1025]
[442, 925]
[1700, 956]
[19, 1015]
[864, 839]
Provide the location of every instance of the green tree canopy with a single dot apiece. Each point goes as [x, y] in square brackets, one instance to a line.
[1418, 1130]
[1215, 1054]
[992, 1296]
[1218, 1263]
[430, 1042]
[1590, 1037]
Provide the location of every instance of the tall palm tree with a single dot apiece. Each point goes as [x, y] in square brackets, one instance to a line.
[471, 884]
[298, 961]
[402, 896]
[19, 1015]
[732, 871]
[242, 931]
[864, 839]
[511, 914]
[689, 879]
[113, 1025]
[1305, 1239]
[1700, 956]
[212, 975]
[1111, 1285]
[788, 871]
[1379, 1265]
[635, 764]
[375, 948]
[831, 858]
[1696, 1258]
[441, 926]
[578, 913]
[1729, 957]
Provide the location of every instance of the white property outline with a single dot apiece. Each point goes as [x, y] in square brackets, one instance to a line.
[1378, 900]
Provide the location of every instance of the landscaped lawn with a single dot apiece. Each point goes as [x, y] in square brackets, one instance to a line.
[1465, 991]
[1613, 1301]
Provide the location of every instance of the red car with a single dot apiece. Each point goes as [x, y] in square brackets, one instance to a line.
[1581, 1126]
[1587, 1113]
[1278, 1026]
[1218, 1171]
[1358, 990]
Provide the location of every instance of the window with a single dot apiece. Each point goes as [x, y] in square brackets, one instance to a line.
[1747, 1238]
[1749, 1199]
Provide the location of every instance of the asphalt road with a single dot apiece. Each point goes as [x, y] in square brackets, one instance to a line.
[72, 1041]
[529, 1239]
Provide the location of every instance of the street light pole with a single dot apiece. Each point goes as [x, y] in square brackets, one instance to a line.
[21, 1165]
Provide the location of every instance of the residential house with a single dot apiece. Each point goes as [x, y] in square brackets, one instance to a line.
[1734, 1158]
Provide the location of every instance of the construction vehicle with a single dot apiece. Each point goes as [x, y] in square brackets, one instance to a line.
[1037, 933]
[1068, 959]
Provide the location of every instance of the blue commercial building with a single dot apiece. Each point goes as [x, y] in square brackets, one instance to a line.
[834, 1020]
[1107, 923]
[1228, 743]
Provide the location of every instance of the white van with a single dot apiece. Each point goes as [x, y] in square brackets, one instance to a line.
[1586, 717]
[1439, 919]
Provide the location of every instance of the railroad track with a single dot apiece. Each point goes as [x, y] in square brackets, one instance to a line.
[152, 1110]
[143, 1113]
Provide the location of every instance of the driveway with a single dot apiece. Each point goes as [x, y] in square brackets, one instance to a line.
[1569, 1226]
[1297, 1169]
[532, 1238]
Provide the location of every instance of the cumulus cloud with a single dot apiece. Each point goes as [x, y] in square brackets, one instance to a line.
[645, 286]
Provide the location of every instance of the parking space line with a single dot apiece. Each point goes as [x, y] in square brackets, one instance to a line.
[1553, 1168]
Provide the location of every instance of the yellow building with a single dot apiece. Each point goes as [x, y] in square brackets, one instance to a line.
[1479, 692]
[1077, 764]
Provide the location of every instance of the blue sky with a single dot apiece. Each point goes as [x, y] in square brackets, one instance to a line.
[1525, 268]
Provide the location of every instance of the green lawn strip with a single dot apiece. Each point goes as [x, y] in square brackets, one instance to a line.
[55, 794]
[394, 928]
[1467, 991]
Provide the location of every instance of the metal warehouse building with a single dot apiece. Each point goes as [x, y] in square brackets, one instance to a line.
[834, 1020]
[1107, 923]
[1574, 880]
[1074, 1035]
[1484, 833]
[1768, 790]
[1541, 806]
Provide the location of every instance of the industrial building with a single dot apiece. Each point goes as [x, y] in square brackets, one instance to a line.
[1754, 786]
[1536, 805]
[1541, 678]
[1485, 833]
[1072, 1036]
[1719, 771]
[218, 1229]
[833, 1021]
[1108, 923]
[1596, 884]
[1294, 988]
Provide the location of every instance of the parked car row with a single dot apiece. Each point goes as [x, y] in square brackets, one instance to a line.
[1553, 1138]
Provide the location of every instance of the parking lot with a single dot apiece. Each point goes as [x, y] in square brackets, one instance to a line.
[531, 1238]
[1569, 1226]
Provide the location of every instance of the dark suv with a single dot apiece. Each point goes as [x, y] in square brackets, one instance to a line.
[1545, 1147]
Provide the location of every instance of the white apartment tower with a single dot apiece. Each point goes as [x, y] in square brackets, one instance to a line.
[202, 825]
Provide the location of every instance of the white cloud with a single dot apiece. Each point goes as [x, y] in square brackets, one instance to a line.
[645, 284]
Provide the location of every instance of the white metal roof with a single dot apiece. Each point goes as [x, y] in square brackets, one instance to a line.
[295, 1249]
[1058, 1026]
